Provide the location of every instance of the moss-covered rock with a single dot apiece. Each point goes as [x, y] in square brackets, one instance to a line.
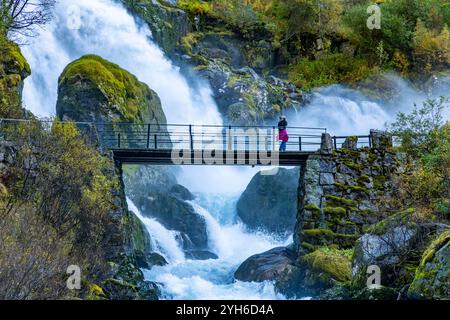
[94, 89]
[432, 278]
[13, 70]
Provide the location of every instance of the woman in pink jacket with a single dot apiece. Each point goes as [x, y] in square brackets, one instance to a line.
[282, 133]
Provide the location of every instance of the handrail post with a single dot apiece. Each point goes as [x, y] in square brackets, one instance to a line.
[118, 140]
[148, 136]
[299, 143]
[230, 139]
[191, 140]
[274, 139]
[335, 142]
[156, 142]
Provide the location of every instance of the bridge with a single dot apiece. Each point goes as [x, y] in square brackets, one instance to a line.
[170, 144]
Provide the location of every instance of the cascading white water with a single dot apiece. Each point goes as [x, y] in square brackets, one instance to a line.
[163, 241]
[105, 28]
[210, 279]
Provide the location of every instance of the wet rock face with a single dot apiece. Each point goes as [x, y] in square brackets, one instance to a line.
[265, 266]
[275, 197]
[167, 24]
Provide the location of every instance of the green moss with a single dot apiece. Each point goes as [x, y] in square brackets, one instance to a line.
[379, 182]
[330, 263]
[121, 88]
[188, 41]
[438, 243]
[328, 237]
[363, 179]
[336, 201]
[312, 207]
[335, 211]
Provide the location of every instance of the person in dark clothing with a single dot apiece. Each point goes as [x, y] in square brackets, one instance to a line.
[282, 133]
[282, 124]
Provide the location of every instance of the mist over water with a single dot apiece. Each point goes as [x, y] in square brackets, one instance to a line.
[345, 111]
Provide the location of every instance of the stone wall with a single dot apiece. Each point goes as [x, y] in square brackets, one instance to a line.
[341, 190]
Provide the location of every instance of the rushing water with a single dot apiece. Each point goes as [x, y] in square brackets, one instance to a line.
[108, 30]
[210, 279]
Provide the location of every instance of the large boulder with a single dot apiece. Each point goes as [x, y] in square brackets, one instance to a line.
[315, 273]
[392, 245]
[92, 89]
[276, 199]
[265, 266]
[432, 278]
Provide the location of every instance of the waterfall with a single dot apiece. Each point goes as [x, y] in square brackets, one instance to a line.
[105, 28]
[163, 241]
[213, 278]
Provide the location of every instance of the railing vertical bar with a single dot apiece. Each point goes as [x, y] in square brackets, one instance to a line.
[274, 139]
[118, 140]
[299, 143]
[191, 140]
[148, 136]
[156, 142]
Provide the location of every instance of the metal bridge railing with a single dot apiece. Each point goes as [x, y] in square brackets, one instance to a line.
[154, 136]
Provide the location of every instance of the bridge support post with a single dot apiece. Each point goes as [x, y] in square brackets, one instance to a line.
[326, 146]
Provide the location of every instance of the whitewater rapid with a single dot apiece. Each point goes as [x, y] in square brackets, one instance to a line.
[227, 238]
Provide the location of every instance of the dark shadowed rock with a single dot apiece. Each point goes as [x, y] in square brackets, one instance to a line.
[265, 266]
[270, 201]
[200, 255]
[181, 192]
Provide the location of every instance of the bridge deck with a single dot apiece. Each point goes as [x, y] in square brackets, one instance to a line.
[197, 157]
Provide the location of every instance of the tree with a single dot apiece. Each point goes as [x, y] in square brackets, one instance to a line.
[417, 130]
[24, 16]
[425, 137]
[431, 48]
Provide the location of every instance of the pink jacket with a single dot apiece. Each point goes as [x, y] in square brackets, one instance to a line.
[283, 135]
